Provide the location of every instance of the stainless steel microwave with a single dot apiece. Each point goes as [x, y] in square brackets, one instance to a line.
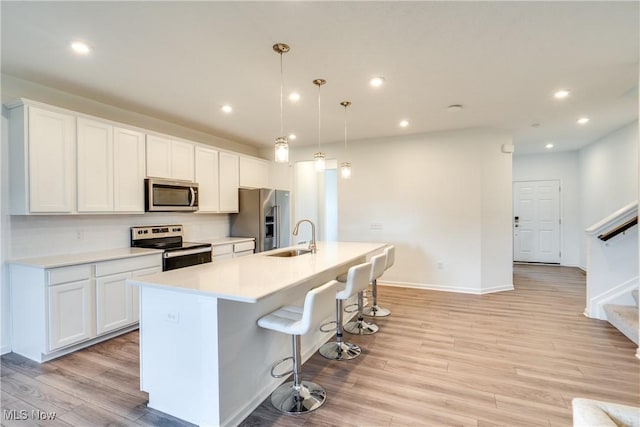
[164, 195]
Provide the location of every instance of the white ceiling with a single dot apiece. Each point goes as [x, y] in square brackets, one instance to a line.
[180, 61]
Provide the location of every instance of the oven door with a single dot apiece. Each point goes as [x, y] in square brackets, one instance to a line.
[169, 196]
[185, 258]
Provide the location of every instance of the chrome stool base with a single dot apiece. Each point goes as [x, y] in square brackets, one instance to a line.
[361, 328]
[340, 351]
[376, 311]
[308, 397]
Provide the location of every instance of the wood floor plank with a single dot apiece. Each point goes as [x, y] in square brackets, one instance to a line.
[513, 358]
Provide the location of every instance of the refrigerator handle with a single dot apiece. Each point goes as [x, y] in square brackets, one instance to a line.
[276, 209]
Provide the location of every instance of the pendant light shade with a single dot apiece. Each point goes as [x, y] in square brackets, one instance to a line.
[345, 170]
[345, 167]
[281, 147]
[281, 150]
[319, 157]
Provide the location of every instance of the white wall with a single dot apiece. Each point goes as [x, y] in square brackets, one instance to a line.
[440, 198]
[608, 177]
[564, 167]
[5, 306]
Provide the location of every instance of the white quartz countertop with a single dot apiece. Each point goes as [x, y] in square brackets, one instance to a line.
[64, 260]
[225, 240]
[257, 276]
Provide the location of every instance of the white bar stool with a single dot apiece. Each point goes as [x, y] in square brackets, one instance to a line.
[360, 327]
[297, 396]
[357, 281]
[375, 310]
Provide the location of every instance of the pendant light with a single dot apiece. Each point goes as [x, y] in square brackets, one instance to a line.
[319, 157]
[345, 167]
[281, 146]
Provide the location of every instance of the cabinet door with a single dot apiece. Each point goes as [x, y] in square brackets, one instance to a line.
[254, 173]
[182, 160]
[95, 166]
[135, 291]
[52, 141]
[207, 179]
[113, 302]
[129, 168]
[158, 157]
[70, 313]
[228, 182]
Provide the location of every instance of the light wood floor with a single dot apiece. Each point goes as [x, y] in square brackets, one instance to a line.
[509, 359]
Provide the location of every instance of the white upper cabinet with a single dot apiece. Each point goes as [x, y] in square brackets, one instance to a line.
[207, 179]
[95, 166]
[42, 160]
[129, 167]
[170, 159]
[229, 182]
[110, 168]
[254, 173]
[182, 160]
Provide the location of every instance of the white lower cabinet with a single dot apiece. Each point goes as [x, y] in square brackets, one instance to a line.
[58, 310]
[113, 303]
[70, 313]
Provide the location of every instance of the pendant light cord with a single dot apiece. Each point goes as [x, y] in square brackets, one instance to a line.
[281, 98]
[319, 86]
[345, 129]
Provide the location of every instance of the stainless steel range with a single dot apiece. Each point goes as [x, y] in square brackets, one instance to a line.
[177, 254]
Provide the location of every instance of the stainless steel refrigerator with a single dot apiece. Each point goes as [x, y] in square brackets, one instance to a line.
[264, 214]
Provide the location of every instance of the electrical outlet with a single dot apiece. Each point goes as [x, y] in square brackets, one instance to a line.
[79, 234]
[376, 226]
[440, 265]
[172, 317]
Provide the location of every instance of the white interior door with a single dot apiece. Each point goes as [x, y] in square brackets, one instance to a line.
[536, 221]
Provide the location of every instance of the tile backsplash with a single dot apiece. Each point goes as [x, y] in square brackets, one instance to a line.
[33, 235]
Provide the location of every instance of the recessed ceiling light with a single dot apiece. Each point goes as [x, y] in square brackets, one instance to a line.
[226, 108]
[294, 97]
[292, 136]
[376, 81]
[583, 120]
[453, 108]
[81, 48]
[561, 94]
[549, 146]
[404, 123]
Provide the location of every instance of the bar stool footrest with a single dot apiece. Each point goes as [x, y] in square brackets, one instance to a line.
[278, 363]
[332, 322]
[350, 308]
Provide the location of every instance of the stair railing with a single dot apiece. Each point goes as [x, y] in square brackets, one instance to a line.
[619, 229]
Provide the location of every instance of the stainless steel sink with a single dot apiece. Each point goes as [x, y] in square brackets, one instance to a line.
[290, 253]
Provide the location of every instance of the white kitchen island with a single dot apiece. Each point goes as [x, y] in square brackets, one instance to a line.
[202, 356]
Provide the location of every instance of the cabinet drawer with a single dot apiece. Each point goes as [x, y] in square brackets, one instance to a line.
[244, 246]
[123, 265]
[222, 249]
[242, 253]
[72, 273]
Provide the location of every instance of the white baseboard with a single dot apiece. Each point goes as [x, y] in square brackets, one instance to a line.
[595, 304]
[442, 288]
[5, 349]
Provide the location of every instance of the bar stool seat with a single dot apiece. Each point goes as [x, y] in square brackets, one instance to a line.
[375, 310]
[360, 327]
[297, 396]
[357, 280]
